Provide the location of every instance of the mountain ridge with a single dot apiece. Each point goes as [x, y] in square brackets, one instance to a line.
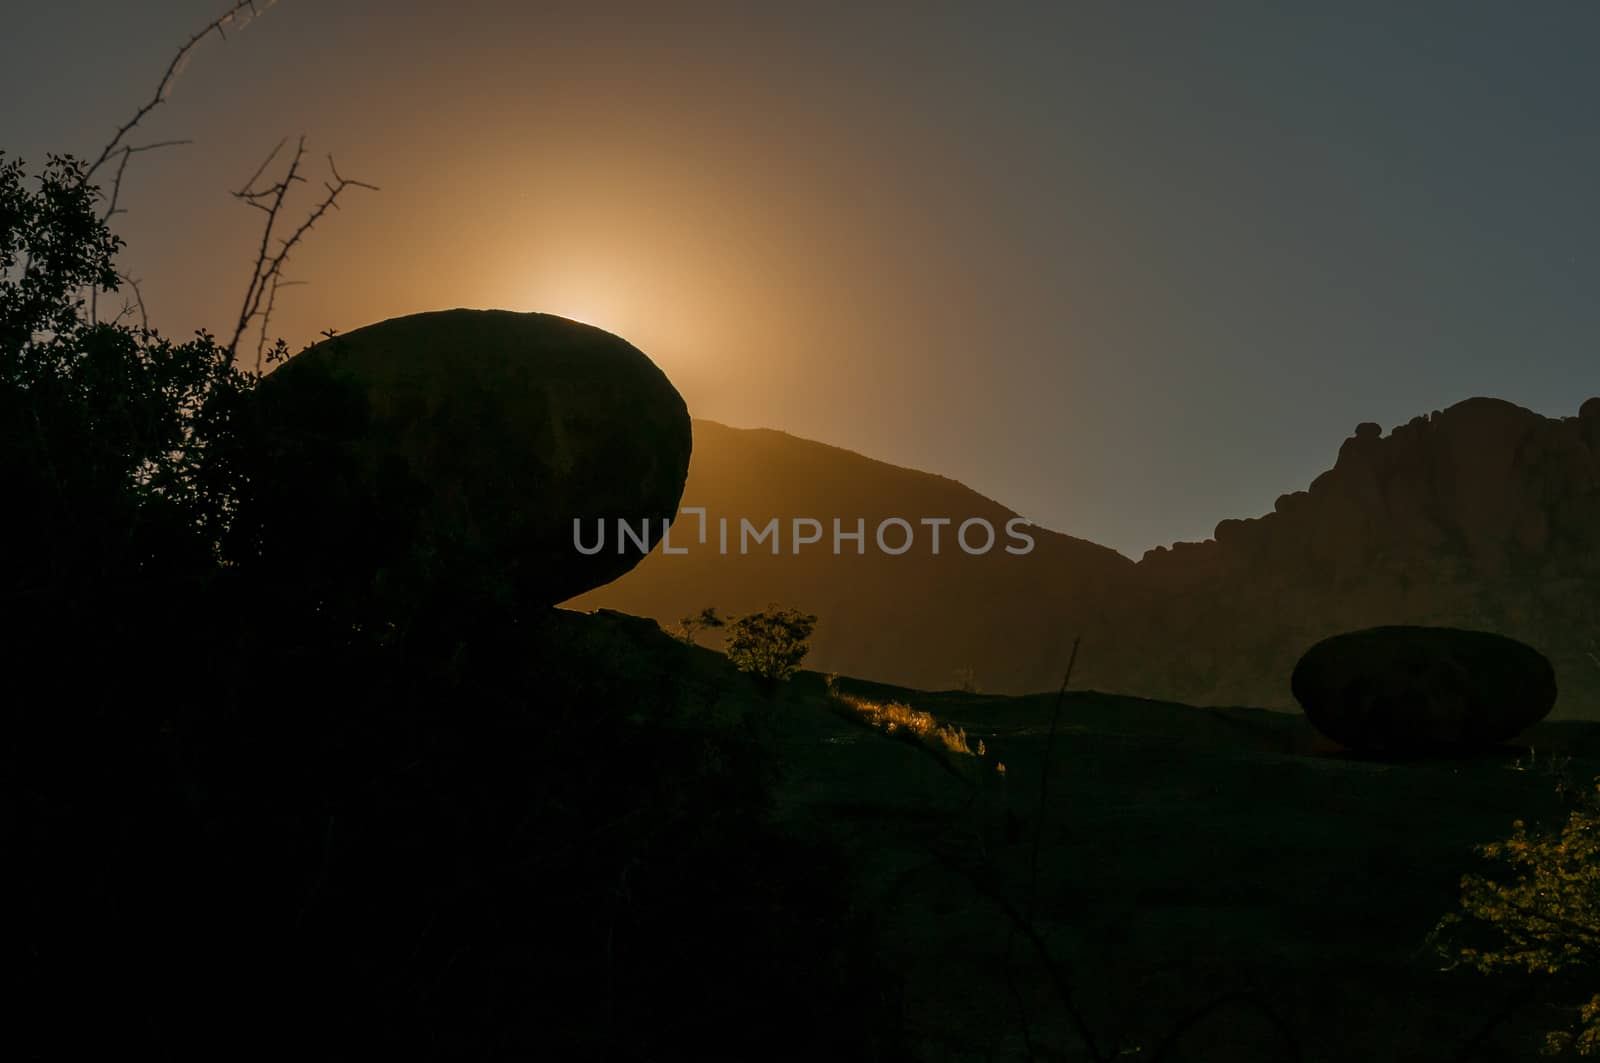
[1479, 515]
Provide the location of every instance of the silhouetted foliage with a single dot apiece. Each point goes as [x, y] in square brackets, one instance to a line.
[52, 245]
[1540, 914]
[280, 777]
[108, 429]
[705, 620]
[772, 643]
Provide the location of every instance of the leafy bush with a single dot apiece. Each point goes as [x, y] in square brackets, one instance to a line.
[772, 643]
[1540, 915]
[113, 436]
[495, 833]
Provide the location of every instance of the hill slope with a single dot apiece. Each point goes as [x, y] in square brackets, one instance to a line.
[1484, 515]
[915, 618]
[1189, 855]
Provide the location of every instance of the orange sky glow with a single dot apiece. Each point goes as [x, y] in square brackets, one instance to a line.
[1127, 276]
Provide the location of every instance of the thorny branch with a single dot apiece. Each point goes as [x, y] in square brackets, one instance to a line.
[1024, 925]
[127, 152]
[249, 9]
[1249, 1001]
[266, 315]
[267, 272]
[240, 13]
[267, 275]
[136, 303]
[113, 209]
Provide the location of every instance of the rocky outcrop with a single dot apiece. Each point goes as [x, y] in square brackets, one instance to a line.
[1484, 516]
[496, 431]
[1422, 690]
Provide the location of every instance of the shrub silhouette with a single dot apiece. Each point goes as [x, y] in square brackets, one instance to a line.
[112, 435]
[1540, 914]
[770, 644]
[705, 620]
[354, 817]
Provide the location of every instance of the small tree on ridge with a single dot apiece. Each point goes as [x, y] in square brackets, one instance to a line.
[772, 643]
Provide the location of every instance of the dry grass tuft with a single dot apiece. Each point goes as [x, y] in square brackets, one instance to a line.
[898, 720]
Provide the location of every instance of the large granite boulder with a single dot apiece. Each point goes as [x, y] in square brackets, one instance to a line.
[1409, 690]
[483, 433]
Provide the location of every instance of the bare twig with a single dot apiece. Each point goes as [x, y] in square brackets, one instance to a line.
[1023, 922]
[1248, 1000]
[130, 305]
[249, 8]
[266, 316]
[1480, 1038]
[1026, 922]
[247, 193]
[113, 209]
[1022, 1012]
[266, 274]
[116, 148]
[1044, 780]
[1024, 925]
[138, 298]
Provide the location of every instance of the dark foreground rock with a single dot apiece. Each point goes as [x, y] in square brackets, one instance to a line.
[488, 432]
[1423, 689]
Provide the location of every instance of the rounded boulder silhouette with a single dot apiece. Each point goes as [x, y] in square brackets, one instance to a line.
[1399, 690]
[496, 431]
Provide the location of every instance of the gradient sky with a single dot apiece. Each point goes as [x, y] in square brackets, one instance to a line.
[1127, 268]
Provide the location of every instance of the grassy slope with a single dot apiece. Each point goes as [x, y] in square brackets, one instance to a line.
[1186, 853]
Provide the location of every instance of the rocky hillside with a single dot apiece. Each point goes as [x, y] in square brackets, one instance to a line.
[915, 618]
[1484, 515]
